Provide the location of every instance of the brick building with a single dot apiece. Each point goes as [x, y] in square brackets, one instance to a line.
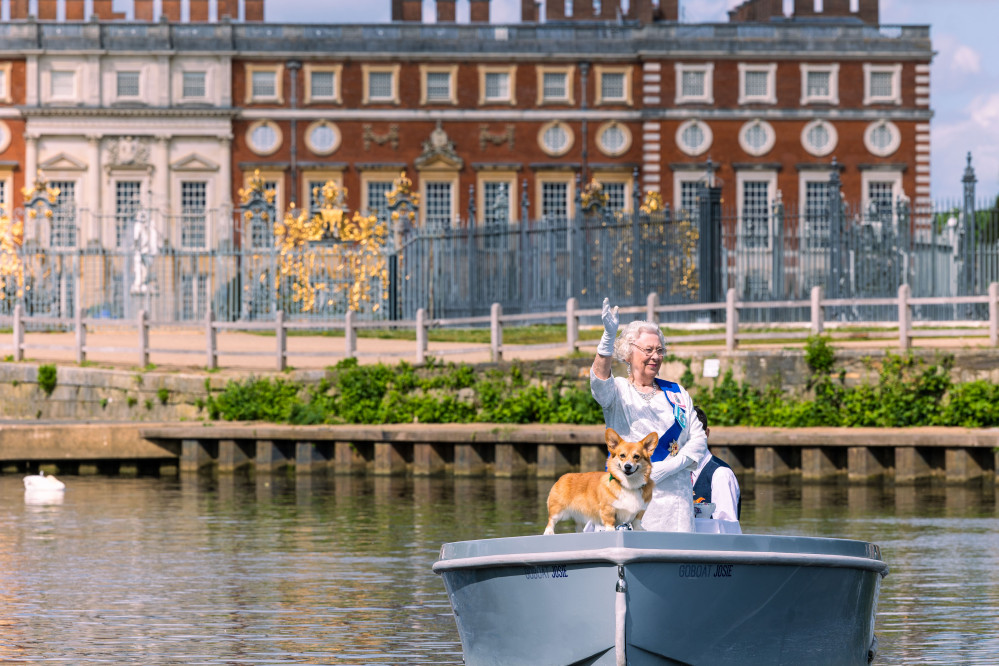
[172, 116]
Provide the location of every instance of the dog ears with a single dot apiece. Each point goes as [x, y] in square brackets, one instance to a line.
[650, 442]
[612, 439]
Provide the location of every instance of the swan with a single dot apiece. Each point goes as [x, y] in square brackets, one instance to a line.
[41, 482]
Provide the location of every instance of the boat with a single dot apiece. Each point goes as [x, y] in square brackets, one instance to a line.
[637, 598]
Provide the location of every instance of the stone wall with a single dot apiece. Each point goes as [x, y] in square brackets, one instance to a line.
[97, 394]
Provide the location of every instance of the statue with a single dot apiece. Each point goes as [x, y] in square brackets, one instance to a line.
[145, 245]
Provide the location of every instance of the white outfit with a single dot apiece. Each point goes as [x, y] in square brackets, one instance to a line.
[725, 491]
[627, 413]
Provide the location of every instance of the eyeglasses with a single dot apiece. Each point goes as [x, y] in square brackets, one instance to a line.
[649, 351]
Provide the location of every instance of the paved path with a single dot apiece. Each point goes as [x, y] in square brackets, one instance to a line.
[186, 348]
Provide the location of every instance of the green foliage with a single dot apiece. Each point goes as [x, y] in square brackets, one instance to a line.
[148, 403]
[47, 378]
[163, 394]
[131, 401]
[819, 355]
[439, 393]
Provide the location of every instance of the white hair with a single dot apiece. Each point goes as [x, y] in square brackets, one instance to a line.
[631, 332]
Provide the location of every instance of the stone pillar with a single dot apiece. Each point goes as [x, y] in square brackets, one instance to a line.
[911, 465]
[93, 232]
[389, 459]
[194, 456]
[553, 461]
[510, 461]
[863, 466]
[347, 459]
[963, 465]
[225, 187]
[271, 457]
[160, 199]
[468, 460]
[311, 457]
[770, 465]
[232, 456]
[818, 464]
[429, 459]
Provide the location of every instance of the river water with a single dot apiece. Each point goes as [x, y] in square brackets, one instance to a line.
[317, 570]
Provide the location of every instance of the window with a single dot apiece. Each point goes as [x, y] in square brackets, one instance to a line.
[555, 85]
[313, 182]
[194, 296]
[127, 198]
[819, 138]
[819, 84]
[3, 197]
[554, 201]
[63, 85]
[381, 84]
[694, 83]
[261, 230]
[496, 202]
[882, 84]
[613, 139]
[694, 137]
[192, 85]
[127, 84]
[556, 138]
[438, 84]
[322, 83]
[881, 191]
[757, 84]
[882, 138]
[374, 198]
[63, 221]
[438, 202]
[193, 213]
[687, 187]
[756, 191]
[617, 185]
[814, 189]
[613, 85]
[757, 137]
[263, 83]
[264, 137]
[322, 137]
[497, 84]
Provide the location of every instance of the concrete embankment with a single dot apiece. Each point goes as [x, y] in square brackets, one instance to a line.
[853, 455]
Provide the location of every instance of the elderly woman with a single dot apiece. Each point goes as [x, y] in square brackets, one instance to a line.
[642, 403]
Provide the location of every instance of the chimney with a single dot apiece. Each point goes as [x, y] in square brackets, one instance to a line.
[669, 10]
[868, 12]
[555, 10]
[104, 10]
[478, 11]
[836, 8]
[804, 8]
[445, 11]
[169, 10]
[75, 10]
[47, 10]
[582, 10]
[226, 9]
[528, 11]
[198, 11]
[641, 11]
[253, 11]
[412, 11]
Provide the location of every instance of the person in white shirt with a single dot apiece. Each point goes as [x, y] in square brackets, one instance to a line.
[715, 482]
[642, 403]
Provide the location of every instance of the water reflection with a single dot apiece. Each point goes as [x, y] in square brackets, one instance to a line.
[314, 569]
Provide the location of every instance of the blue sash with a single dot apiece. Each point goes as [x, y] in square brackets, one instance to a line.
[665, 447]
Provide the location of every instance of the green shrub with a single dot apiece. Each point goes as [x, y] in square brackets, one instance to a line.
[47, 378]
[163, 395]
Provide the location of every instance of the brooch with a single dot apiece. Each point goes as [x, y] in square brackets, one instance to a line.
[680, 416]
[674, 447]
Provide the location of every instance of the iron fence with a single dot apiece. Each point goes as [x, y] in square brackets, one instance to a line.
[774, 252]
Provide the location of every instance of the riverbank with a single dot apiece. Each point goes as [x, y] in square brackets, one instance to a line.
[818, 455]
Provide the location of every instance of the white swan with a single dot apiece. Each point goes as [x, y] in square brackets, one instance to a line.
[42, 483]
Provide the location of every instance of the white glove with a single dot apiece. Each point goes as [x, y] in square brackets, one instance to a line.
[609, 316]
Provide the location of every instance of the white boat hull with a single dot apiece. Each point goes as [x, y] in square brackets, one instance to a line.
[663, 598]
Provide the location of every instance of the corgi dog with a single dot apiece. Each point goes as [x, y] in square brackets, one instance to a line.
[618, 496]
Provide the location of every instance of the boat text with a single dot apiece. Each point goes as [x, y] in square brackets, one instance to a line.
[705, 571]
[552, 571]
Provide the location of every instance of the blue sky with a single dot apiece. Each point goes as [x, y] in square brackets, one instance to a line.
[964, 85]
